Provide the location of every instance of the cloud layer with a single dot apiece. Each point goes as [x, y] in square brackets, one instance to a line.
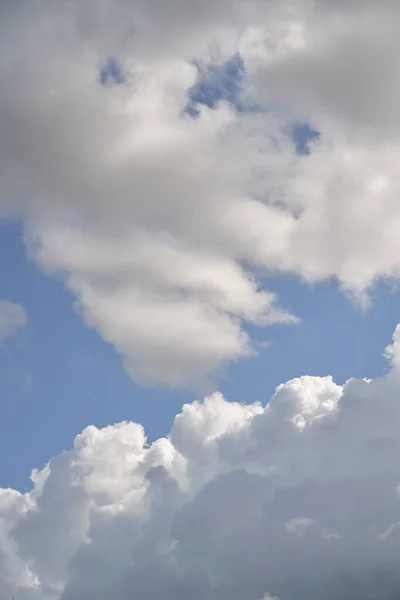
[299, 499]
[164, 226]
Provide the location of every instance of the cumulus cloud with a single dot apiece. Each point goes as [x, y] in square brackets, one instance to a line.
[12, 317]
[165, 224]
[141, 208]
[298, 499]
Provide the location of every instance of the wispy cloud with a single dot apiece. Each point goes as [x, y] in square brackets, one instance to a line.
[12, 318]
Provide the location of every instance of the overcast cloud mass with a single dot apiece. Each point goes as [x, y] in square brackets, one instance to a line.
[165, 223]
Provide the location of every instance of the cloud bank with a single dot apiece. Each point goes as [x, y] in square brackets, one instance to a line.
[298, 499]
[164, 222]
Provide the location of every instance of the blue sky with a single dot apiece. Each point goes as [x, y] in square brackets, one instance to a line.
[57, 375]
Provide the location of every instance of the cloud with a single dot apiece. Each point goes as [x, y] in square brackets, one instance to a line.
[12, 318]
[165, 227]
[298, 499]
[332, 64]
[336, 57]
[135, 203]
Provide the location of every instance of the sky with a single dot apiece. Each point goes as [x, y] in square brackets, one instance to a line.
[58, 376]
[199, 300]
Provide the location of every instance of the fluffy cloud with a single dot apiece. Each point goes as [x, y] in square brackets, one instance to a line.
[12, 317]
[332, 63]
[163, 225]
[143, 209]
[299, 499]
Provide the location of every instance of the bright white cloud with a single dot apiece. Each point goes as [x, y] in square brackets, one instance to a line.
[295, 500]
[12, 318]
[160, 223]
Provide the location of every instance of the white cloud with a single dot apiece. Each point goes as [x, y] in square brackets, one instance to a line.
[12, 318]
[163, 225]
[237, 500]
[143, 210]
[299, 525]
[174, 313]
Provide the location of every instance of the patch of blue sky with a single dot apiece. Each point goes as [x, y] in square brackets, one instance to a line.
[303, 135]
[216, 82]
[111, 73]
[334, 337]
